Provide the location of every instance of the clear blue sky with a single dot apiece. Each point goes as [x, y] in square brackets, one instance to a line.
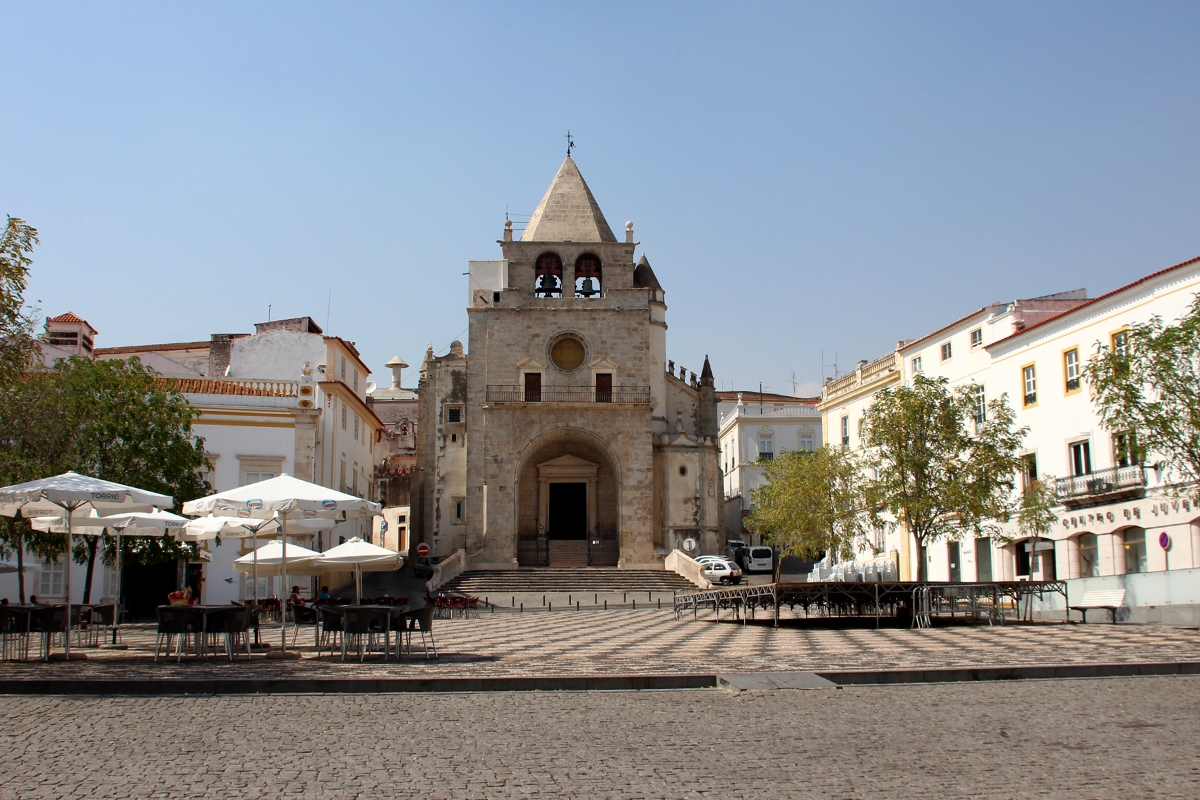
[830, 176]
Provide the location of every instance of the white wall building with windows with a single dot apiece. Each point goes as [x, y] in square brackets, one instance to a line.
[754, 425]
[1115, 511]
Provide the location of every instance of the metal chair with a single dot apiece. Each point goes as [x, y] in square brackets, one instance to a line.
[173, 621]
[422, 620]
[332, 627]
[104, 619]
[301, 615]
[49, 621]
[364, 624]
[230, 622]
[14, 626]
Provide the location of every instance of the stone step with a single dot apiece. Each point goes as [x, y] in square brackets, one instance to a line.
[550, 579]
[568, 555]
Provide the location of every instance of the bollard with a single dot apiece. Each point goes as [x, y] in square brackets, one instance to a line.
[606, 605]
[568, 599]
[660, 604]
[522, 608]
[650, 596]
[514, 601]
[635, 604]
[576, 605]
[550, 607]
[543, 599]
[595, 599]
[625, 597]
[493, 609]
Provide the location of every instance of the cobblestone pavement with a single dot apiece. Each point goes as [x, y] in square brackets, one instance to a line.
[1099, 738]
[654, 642]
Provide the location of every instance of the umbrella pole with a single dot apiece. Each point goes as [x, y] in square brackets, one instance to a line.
[283, 603]
[67, 582]
[358, 583]
[254, 575]
[120, 586]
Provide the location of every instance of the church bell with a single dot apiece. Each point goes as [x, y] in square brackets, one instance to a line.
[588, 289]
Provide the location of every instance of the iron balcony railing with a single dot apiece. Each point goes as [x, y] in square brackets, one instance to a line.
[627, 395]
[1094, 485]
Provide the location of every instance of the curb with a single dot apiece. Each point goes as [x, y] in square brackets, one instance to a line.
[171, 687]
[232, 686]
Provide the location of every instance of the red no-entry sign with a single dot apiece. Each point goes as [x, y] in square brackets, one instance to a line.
[422, 550]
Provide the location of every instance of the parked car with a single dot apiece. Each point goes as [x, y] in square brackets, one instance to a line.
[757, 559]
[732, 547]
[722, 572]
[709, 559]
[424, 566]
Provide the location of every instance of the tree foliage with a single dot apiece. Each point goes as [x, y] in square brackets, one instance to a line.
[17, 345]
[812, 504]
[938, 476]
[1149, 390]
[1037, 515]
[112, 419]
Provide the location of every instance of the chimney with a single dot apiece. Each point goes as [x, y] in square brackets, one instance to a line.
[396, 365]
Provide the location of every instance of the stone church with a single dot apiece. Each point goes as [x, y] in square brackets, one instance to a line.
[563, 436]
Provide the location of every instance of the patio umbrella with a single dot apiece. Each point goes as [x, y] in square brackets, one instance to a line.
[132, 523]
[291, 500]
[363, 557]
[268, 560]
[72, 492]
[210, 527]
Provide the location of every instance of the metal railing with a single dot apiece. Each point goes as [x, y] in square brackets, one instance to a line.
[1102, 482]
[626, 395]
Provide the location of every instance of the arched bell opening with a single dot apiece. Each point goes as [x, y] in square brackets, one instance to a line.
[548, 276]
[587, 276]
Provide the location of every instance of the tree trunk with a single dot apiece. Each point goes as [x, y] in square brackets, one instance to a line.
[91, 568]
[922, 572]
[21, 567]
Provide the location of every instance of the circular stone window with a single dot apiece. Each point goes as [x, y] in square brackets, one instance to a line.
[683, 470]
[567, 354]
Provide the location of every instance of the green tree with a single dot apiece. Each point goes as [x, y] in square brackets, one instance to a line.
[943, 472]
[813, 503]
[17, 344]
[1037, 515]
[113, 419]
[1148, 389]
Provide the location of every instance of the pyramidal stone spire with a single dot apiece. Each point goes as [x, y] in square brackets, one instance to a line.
[568, 212]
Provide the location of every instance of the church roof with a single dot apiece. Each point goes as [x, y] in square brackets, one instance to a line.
[568, 212]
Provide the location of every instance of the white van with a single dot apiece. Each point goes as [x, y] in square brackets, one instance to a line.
[758, 559]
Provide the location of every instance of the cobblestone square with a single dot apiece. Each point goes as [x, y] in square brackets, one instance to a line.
[1096, 738]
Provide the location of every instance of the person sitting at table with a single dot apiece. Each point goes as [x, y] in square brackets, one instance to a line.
[296, 599]
[33, 601]
[324, 595]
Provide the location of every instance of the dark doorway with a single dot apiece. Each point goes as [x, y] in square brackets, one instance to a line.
[983, 560]
[953, 555]
[568, 511]
[145, 587]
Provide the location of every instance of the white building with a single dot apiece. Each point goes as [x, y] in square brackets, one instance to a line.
[286, 399]
[1114, 510]
[755, 425]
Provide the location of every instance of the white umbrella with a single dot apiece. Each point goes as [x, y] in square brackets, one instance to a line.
[132, 523]
[363, 557]
[198, 530]
[291, 500]
[268, 560]
[72, 493]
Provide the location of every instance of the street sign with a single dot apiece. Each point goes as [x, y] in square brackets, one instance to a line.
[1164, 541]
[689, 544]
[422, 550]
[383, 525]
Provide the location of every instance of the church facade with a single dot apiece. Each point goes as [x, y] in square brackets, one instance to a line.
[562, 436]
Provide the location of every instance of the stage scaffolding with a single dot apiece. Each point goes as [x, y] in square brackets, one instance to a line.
[923, 602]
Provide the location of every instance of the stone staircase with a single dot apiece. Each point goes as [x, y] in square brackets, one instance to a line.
[568, 554]
[551, 579]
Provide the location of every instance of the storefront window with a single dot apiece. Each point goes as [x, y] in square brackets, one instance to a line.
[1089, 556]
[1135, 551]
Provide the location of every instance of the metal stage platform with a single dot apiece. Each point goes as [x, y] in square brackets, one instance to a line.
[921, 602]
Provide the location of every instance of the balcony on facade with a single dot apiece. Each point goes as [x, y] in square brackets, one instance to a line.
[1102, 486]
[617, 395]
[866, 374]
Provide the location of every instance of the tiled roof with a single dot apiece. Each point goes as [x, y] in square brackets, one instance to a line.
[1093, 301]
[68, 317]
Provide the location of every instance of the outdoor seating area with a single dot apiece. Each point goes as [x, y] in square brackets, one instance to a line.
[449, 605]
[87, 625]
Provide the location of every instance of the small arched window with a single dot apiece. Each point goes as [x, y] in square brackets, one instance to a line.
[587, 276]
[548, 276]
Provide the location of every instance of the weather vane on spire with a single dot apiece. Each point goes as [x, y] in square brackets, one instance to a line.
[570, 143]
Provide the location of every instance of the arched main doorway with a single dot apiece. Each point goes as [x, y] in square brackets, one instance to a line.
[568, 502]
